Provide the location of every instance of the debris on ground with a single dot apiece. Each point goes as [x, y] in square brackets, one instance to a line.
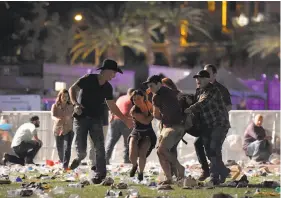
[36, 180]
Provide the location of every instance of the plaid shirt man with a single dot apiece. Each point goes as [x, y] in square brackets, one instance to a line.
[224, 92]
[212, 109]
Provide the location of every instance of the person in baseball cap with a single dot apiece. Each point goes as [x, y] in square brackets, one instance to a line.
[202, 78]
[202, 74]
[154, 83]
[153, 79]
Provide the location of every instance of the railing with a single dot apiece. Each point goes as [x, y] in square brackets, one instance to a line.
[238, 119]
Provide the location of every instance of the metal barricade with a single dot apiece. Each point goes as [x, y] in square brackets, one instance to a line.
[239, 121]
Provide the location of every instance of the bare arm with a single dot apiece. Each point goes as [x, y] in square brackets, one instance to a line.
[115, 110]
[73, 90]
[142, 118]
[35, 136]
[156, 113]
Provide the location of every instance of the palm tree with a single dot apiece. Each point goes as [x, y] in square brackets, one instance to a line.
[144, 13]
[265, 40]
[170, 16]
[109, 32]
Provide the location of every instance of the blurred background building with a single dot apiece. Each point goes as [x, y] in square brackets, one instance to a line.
[46, 46]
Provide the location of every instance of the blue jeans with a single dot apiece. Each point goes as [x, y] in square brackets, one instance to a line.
[259, 150]
[26, 152]
[201, 155]
[82, 127]
[213, 146]
[64, 143]
[92, 151]
[116, 129]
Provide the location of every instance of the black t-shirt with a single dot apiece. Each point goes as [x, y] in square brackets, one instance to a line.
[92, 95]
[105, 115]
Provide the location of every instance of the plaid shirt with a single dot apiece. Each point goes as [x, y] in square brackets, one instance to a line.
[225, 93]
[212, 109]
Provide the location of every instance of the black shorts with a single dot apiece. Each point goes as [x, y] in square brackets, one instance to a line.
[140, 135]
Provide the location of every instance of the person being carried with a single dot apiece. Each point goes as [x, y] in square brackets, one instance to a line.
[142, 139]
[25, 144]
[256, 144]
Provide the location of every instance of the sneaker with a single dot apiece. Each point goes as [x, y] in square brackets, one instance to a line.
[189, 182]
[204, 176]
[213, 182]
[94, 168]
[224, 175]
[230, 163]
[166, 182]
[140, 176]
[97, 180]
[133, 171]
[65, 170]
[75, 163]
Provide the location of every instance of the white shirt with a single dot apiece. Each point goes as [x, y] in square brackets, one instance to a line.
[24, 133]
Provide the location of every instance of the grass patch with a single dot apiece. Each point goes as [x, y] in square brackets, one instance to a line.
[99, 191]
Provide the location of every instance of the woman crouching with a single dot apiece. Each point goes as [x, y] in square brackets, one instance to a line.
[142, 138]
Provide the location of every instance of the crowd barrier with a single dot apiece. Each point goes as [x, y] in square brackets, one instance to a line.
[232, 148]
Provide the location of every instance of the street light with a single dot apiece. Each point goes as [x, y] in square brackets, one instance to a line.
[78, 17]
[258, 18]
[242, 20]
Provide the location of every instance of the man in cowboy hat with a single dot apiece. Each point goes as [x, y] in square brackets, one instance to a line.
[93, 90]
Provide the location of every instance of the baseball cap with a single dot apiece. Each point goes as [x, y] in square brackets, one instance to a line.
[153, 79]
[202, 74]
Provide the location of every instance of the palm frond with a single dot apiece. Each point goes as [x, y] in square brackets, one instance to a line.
[263, 45]
[265, 40]
[76, 55]
[77, 47]
[173, 16]
[107, 30]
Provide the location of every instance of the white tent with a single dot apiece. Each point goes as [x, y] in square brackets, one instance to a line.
[228, 79]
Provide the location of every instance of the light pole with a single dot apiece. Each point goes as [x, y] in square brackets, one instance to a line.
[78, 18]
